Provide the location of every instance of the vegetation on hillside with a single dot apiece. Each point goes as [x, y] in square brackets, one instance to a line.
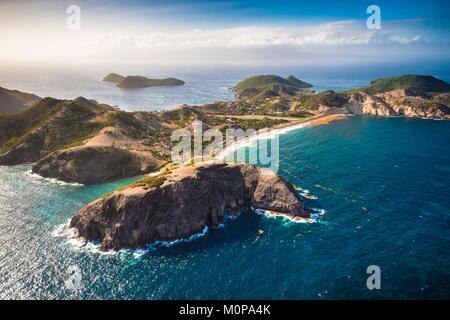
[140, 81]
[113, 77]
[416, 83]
[149, 182]
[15, 128]
[312, 101]
[13, 101]
[264, 86]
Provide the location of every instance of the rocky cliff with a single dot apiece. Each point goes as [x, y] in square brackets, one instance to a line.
[182, 203]
[398, 103]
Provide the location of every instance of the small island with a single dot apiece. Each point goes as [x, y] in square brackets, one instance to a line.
[140, 81]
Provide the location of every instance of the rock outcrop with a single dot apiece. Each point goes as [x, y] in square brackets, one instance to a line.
[182, 204]
[398, 103]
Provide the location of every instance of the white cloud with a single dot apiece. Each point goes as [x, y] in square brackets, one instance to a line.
[336, 41]
[331, 34]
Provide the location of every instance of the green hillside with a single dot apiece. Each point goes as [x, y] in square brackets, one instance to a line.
[12, 101]
[269, 85]
[417, 83]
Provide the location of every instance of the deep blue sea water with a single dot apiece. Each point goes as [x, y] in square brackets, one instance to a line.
[397, 168]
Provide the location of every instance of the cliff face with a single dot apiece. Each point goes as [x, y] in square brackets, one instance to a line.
[398, 103]
[184, 202]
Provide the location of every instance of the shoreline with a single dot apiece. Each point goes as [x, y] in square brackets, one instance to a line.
[267, 133]
[262, 134]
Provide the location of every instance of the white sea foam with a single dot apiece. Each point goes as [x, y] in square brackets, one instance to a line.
[314, 217]
[319, 211]
[79, 244]
[38, 178]
[305, 193]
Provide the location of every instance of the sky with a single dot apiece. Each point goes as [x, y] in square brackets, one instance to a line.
[229, 31]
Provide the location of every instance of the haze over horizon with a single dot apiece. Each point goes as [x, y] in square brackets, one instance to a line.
[232, 32]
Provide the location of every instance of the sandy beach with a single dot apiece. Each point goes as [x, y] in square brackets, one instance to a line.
[268, 133]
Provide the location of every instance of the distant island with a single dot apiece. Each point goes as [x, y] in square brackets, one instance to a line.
[267, 86]
[12, 101]
[88, 142]
[140, 81]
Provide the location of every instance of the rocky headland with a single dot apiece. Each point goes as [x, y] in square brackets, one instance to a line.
[178, 204]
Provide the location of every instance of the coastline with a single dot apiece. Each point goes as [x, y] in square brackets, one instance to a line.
[268, 133]
[265, 133]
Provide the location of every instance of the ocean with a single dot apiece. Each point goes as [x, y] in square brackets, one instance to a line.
[204, 83]
[383, 182]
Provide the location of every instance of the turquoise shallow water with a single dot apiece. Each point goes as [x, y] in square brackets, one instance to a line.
[399, 169]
